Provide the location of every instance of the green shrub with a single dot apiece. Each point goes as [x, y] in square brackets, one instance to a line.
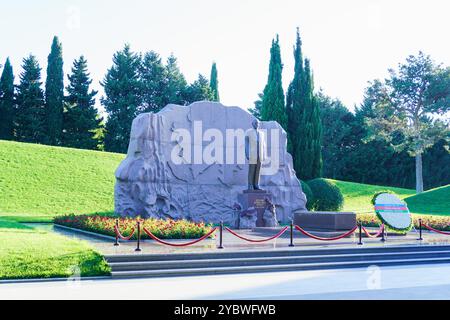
[327, 196]
[309, 195]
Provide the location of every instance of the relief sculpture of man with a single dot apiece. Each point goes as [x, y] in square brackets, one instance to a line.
[255, 152]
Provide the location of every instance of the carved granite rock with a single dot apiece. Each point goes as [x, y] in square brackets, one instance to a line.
[162, 178]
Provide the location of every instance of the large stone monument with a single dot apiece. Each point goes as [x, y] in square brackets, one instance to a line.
[189, 162]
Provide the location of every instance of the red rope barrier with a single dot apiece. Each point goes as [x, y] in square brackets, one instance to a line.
[437, 231]
[122, 236]
[326, 239]
[252, 240]
[151, 235]
[375, 235]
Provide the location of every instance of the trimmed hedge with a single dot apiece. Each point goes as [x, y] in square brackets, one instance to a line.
[327, 196]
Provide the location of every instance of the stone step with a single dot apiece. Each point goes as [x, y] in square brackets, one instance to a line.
[273, 267]
[203, 263]
[264, 253]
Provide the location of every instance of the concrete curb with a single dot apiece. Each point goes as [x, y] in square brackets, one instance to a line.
[89, 233]
[68, 279]
[113, 239]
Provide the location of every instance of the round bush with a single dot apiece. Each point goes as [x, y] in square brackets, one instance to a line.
[327, 196]
[309, 195]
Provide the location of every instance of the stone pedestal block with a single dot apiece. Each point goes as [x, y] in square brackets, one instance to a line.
[256, 201]
[324, 220]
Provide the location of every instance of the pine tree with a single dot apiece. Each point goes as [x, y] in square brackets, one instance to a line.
[54, 94]
[153, 75]
[7, 102]
[214, 83]
[257, 105]
[81, 120]
[30, 115]
[175, 83]
[199, 90]
[273, 107]
[123, 97]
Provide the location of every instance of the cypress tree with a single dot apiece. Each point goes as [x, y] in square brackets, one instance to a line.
[308, 155]
[30, 115]
[81, 120]
[122, 98]
[214, 83]
[7, 102]
[304, 122]
[273, 107]
[54, 93]
[295, 99]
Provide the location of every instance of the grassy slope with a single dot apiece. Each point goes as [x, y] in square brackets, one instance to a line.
[435, 201]
[29, 253]
[38, 182]
[357, 198]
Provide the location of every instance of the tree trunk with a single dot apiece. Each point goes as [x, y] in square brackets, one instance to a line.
[419, 176]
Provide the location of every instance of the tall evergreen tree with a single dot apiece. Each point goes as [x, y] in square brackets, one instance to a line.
[30, 115]
[122, 98]
[296, 98]
[153, 75]
[273, 107]
[7, 102]
[308, 153]
[214, 82]
[304, 123]
[54, 93]
[81, 119]
[175, 84]
[199, 90]
[256, 109]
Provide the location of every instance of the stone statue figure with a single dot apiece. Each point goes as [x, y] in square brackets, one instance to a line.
[255, 152]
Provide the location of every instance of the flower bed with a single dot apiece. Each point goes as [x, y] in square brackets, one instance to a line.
[163, 229]
[437, 222]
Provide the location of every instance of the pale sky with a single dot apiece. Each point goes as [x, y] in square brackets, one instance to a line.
[349, 42]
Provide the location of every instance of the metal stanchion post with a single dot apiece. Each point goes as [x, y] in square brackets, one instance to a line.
[220, 236]
[291, 244]
[383, 234]
[116, 232]
[138, 248]
[360, 234]
[420, 230]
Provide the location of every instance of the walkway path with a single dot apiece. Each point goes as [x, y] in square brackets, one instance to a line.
[231, 243]
[401, 282]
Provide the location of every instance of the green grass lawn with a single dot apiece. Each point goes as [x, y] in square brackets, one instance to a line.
[435, 201]
[29, 253]
[357, 198]
[38, 182]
